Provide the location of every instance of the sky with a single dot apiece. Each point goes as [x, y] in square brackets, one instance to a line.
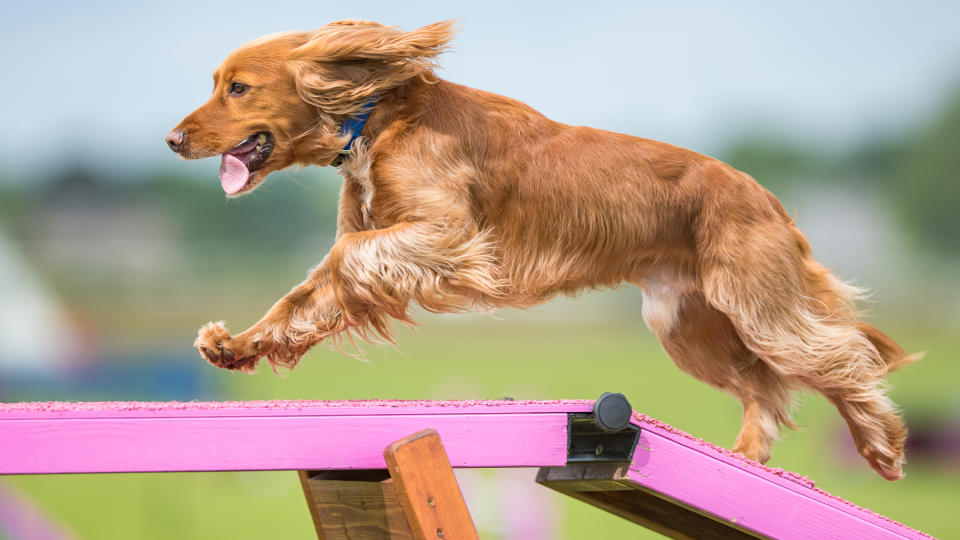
[103, 82]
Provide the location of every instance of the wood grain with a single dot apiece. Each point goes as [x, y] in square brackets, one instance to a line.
[428, 490]
[359, 506]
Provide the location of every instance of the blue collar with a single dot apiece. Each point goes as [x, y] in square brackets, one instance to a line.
[353, 126]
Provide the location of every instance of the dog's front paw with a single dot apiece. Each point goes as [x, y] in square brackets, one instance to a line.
[236, 353]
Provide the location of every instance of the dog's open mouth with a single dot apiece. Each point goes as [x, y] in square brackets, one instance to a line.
[245, 158]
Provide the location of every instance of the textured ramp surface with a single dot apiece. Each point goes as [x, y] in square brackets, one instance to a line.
[59, 437]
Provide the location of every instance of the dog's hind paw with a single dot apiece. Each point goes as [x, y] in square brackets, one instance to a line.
[889, 468]
[223, 351]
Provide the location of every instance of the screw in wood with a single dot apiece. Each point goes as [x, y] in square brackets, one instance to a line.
[431, 502]
[439, 532]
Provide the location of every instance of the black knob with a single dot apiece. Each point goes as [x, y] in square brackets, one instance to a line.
[612, 412]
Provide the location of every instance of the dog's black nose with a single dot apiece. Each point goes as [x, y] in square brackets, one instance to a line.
[175, 140]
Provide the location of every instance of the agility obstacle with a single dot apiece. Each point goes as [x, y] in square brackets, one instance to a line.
[378, 469]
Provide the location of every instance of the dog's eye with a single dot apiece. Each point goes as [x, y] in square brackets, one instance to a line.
[237, 89]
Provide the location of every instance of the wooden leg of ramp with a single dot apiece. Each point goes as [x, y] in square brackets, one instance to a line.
[428, 490]
[418, 499]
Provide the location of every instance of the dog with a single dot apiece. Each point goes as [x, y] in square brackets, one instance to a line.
[458, 199]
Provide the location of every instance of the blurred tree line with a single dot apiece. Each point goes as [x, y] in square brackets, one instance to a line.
[919, 172]
[273, 216]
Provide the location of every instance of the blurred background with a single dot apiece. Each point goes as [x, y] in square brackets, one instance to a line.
[113, 252]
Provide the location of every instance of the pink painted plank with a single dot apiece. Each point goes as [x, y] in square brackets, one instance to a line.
[144, 409]
[56, 437]
[765, 500]
[92, 445]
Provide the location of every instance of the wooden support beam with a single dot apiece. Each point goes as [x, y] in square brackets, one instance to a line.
[608, 486]
[418, 498]
[427, 488]
[357, 505]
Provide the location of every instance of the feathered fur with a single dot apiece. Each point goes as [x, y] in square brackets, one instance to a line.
[456, 199]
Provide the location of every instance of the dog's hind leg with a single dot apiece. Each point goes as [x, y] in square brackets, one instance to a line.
[767, 401]
[702, 342]
[800, 320]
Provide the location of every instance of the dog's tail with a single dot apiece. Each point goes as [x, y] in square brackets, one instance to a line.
[892, 353]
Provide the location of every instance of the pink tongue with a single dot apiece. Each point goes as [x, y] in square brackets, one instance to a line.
[233, 174]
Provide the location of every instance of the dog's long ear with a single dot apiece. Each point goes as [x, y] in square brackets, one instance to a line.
[344, 64]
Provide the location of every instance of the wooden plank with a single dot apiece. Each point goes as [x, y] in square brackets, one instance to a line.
[94, 445]
[608, 486]
[683, 487]
[747, 494]
[354, 505]
[308, 495]
[57, 437]
[588, 476]
[770, 501]
[428, 490]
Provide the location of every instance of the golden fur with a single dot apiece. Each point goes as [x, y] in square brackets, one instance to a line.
[455, 198]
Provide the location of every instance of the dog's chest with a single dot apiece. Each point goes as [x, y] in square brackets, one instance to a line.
[356, 172]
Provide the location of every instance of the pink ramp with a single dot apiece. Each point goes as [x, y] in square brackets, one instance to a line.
[274, 435]
[677, 468]
[772, 502]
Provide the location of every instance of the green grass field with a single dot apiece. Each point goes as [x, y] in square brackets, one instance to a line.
[486, 358]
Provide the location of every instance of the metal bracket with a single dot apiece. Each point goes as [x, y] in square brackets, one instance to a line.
[604, 435]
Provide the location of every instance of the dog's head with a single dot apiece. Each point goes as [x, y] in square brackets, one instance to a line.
[280, 100]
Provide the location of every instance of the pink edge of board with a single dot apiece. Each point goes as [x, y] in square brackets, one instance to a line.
[144, 409]
[770, 501]
[57, 437]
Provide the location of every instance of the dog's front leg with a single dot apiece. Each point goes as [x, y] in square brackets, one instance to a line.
[367, 277]
[283, 334]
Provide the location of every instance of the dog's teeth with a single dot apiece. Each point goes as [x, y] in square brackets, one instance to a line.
[258, 148]
[261, 139]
